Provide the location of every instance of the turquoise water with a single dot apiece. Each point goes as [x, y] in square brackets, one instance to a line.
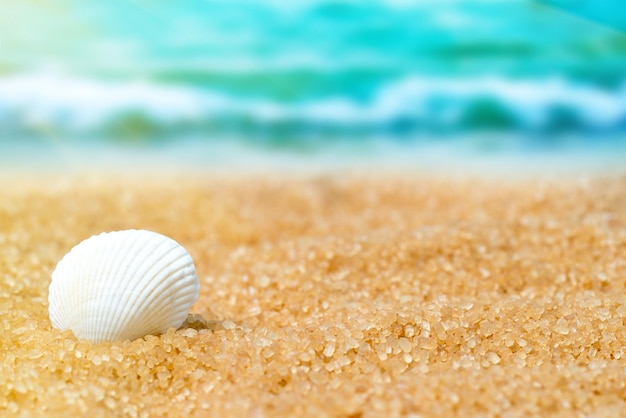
[305, 76]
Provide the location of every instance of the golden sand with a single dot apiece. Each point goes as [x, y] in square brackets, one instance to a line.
[332, 296]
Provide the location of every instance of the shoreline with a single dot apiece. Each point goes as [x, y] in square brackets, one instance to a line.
[476, 156]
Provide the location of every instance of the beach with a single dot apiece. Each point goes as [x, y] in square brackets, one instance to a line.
[352, 295]
[395, 208]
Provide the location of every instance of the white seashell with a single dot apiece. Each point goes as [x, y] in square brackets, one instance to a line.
[123, 285]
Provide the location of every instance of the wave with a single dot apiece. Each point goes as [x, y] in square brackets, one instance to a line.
[75, 106]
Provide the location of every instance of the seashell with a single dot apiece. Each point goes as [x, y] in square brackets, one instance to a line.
[123, 285]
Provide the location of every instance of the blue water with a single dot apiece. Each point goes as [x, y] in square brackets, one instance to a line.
[307, 75]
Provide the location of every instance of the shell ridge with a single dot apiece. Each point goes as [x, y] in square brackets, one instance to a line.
[109, 317]
[176, 308]
[79, 279]
[167, 303]
[160, 323]
[157, 273]
[134, 248]
[92, 260]
[105, 322]
[177, 315]
[170, 278]
[124, 312]
[179, 288]
[105, 255]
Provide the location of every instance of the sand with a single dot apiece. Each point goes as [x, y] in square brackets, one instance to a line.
[356, 296]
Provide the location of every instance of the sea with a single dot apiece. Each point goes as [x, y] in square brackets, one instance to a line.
[444, 85]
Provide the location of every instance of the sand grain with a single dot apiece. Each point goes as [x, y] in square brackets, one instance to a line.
[331, 296]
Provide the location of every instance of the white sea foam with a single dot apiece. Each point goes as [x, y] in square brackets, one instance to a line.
[530, 101]
[88, 104]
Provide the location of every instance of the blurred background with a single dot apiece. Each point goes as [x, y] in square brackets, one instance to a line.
[434, 85]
